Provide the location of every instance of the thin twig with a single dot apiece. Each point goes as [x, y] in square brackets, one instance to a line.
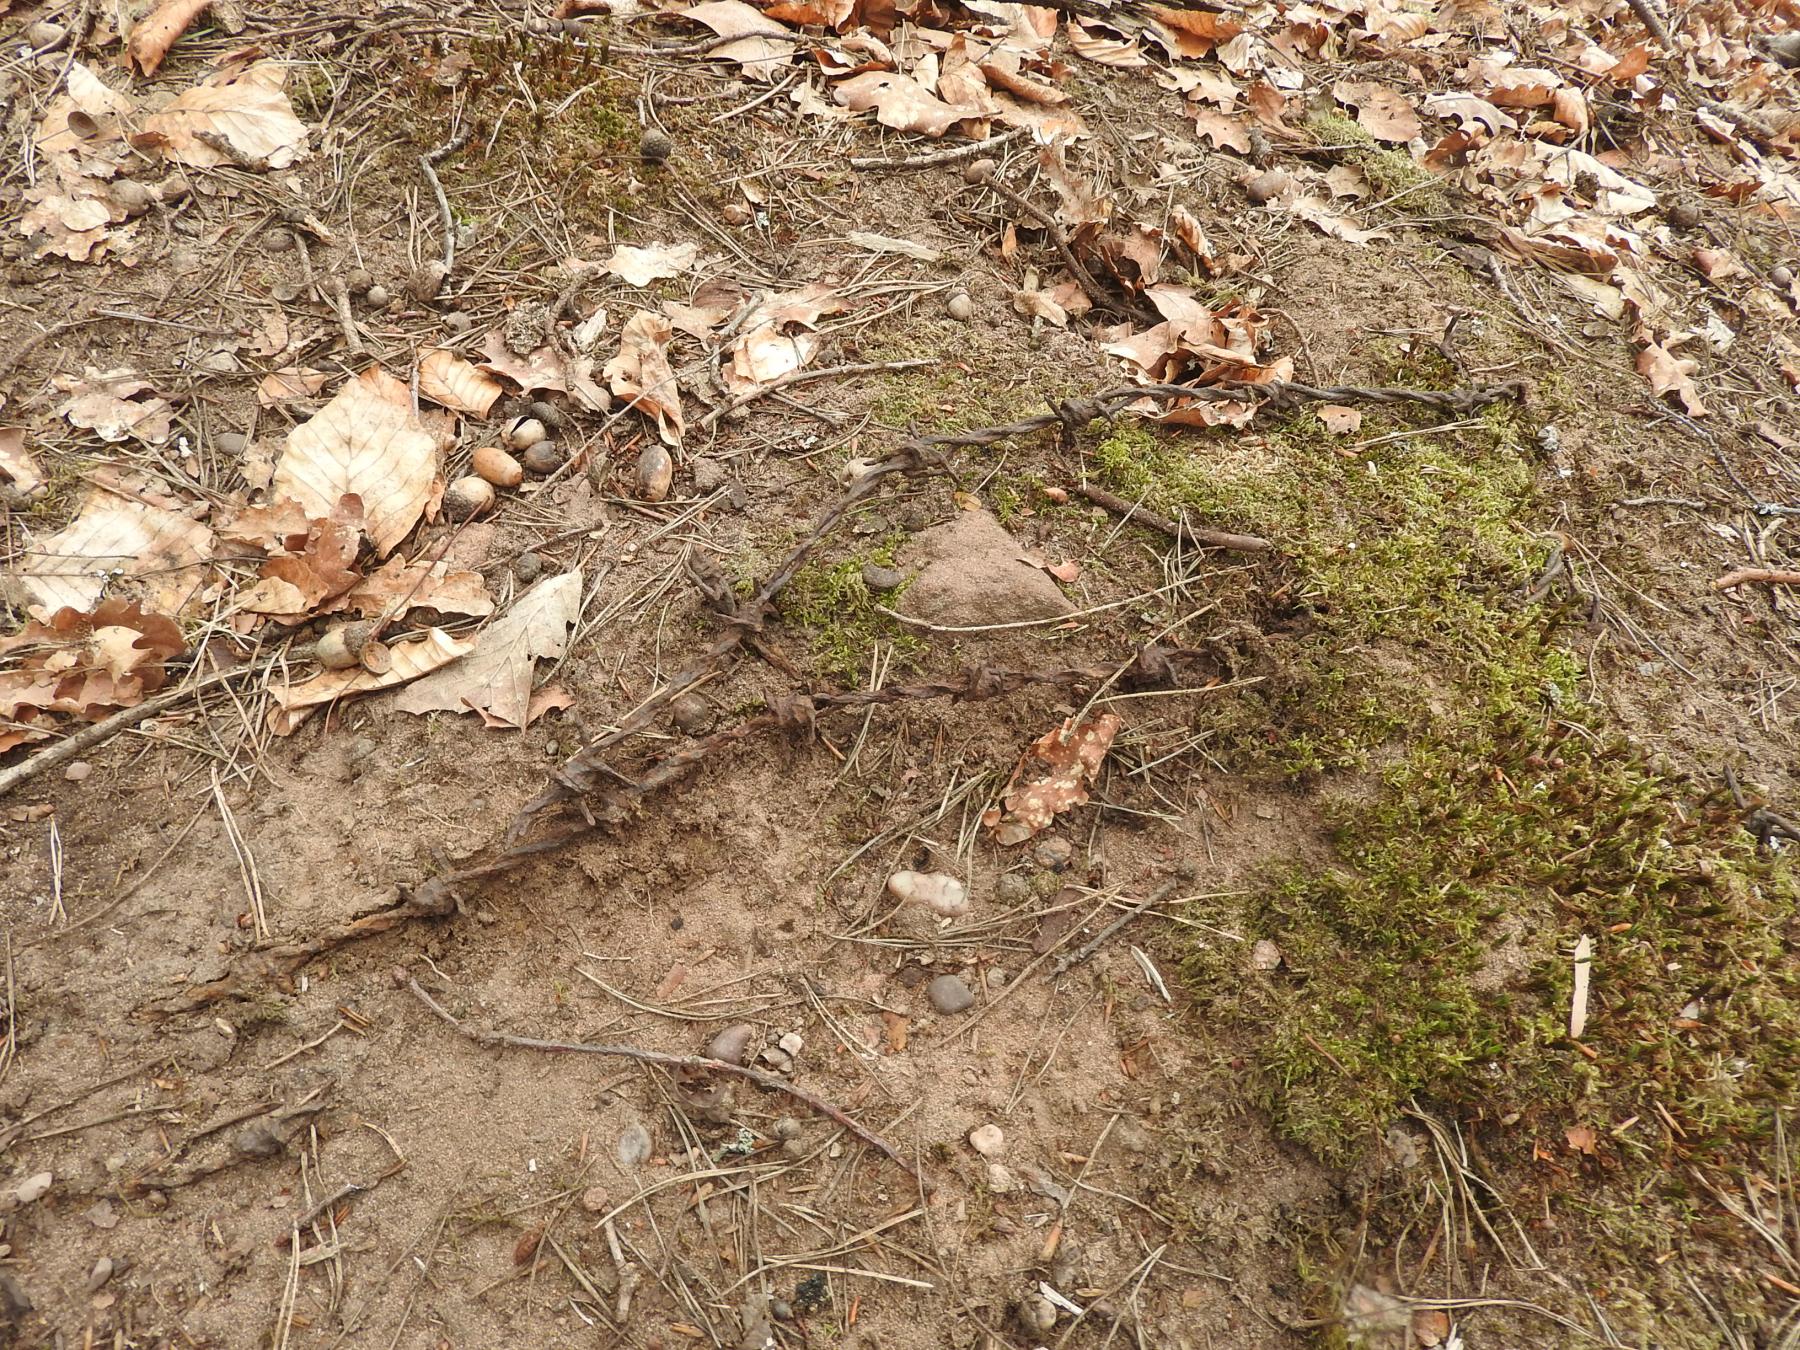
[937, 158]
[1193, 534]
[1087, 949]
[428, 163]
[692, 1063]
[1768, 576]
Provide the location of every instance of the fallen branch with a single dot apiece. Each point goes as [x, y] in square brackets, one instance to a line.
[1176, 529]
[937, 158]
[690, 1063]
[1652, 22]
[428, 163]
[1084, 278]
[806, 377]
[1768, 576]
[87, 738]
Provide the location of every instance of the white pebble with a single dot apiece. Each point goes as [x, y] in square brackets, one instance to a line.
[988, 1140]
[932, 890]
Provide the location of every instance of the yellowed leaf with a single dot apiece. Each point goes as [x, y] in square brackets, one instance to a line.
[760, 50]
[153, 35]
[112, 404]
[365, 442]
[21, 479]
[446, 379]
[1339, 420]
[1384, 112]
[398, 586]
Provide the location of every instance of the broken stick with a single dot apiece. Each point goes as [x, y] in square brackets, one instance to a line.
[692, 1062]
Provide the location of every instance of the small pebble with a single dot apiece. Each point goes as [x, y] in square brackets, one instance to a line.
[595, 1200]
[231, 442]
[792, 1043]
[1000, 1179]
[655, 147]
[879, 578]
[777, 1059]
[959, 306]
[1265, 955]
[257, 1141]
[357, 281]
[528, 567]
[78, 771]
[948, 994]
[377, 297]
[542, 459]
[458, 322]
[33, 1188]
[988, 1140]
[634, 1146]
[1037, 1314]
[709, 475]
[1266, 187]
[101, 1273]
[996, 979]
[1012, 889]
[1683, 215]
[1782, 275]
[1054, 853]
[278, 241]
[731, 1044]
[787, 1128]
[692, 714]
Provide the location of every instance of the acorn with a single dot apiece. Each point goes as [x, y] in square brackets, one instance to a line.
[467, 498]
[549, 414]
[342, 647]
[1266, 187]
[524, 432]
[498, 467]
[655, 147]
[542, 459]
[736, 213]
[655, 473]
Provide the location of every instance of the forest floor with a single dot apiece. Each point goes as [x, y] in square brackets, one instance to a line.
[955, 676]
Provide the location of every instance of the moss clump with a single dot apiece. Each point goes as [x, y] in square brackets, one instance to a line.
[1432, 959]
[1393, 172]
[839, 614]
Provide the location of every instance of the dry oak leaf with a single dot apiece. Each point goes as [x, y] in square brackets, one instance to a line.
[290, 382]
[1222, 129]
[367, 443]
[300, 581]
[110, 403]
[244, 107]
[407, 661]
[88, 664]
[79, 120]
[495, 680]
[656, 262]
[1054, 775]
[446, 379]
[641, 375]
[399, 585]
[899, 101]
[767, 352]
[118, 540]
[72, 227]
[1671, 374]
[1316, 213]
[1105, 48]
[153, 35]
[1383, 112]
[544, 369]
[1339, 420]
[763, 45]
[21, 480]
